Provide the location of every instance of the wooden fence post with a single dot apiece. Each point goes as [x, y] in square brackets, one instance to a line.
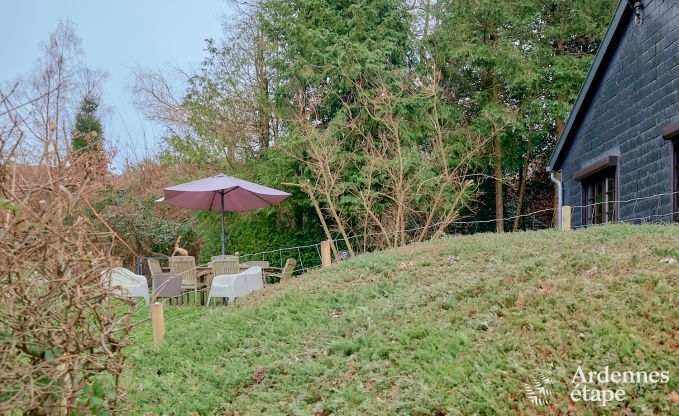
[158, 323]
[566, 218]
[325, 253]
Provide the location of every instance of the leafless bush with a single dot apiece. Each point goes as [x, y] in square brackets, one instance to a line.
[61, 331]
[406, 190]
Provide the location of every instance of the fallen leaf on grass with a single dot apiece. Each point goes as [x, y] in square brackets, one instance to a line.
[369, 384]
[547, 286]
[452, 260]
[591, 272]
[394, 392]
[318, 409]
[405, 264]
[258, 375]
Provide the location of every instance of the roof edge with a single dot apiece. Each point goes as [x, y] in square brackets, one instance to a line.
[591, 75]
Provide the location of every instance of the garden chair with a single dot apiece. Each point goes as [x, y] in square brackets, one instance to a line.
[124, 283]
[275, 274]
[154, 266]
[226, 257]
[264, 265]
[222, 265]
[167, 285]
[186, 267]
[228, 286]
[254, 278]
[232, 286]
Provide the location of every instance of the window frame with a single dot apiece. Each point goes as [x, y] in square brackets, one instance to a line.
[675, 180]
[609, 202]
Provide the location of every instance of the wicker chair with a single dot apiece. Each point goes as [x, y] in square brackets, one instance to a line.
[222, 265]
[186, 267]
[278, 274]
[226, 257]
[154, 266]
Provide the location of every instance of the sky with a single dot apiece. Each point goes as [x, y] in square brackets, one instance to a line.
[118, 37]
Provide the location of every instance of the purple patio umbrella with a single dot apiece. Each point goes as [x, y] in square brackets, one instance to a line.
[221, 193]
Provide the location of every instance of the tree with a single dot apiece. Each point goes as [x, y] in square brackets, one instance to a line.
[88, 129]
[50, 95]
[569, 35]
[479, 44]
[392, 156]
[227, 108]
[325, 48]
[513, 69]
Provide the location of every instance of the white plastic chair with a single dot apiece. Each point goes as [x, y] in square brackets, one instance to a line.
[124, 283]
[232, 286]
[253, 276]
[222, 286]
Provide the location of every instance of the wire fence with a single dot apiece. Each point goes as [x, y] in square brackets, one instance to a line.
[309, 256]
[645, 209]
[626, 211]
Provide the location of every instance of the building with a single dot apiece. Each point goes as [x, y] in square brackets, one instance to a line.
[618, 155]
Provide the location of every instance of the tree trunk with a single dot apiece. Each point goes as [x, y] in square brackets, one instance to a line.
[497, 155]
[263, 113]
[427, 18]
[499, 202]
[326, 230]
[426, 11]
[522, 189]
[338, 221]
[231, 152]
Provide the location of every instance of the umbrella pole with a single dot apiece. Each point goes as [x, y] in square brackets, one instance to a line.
[221, 193]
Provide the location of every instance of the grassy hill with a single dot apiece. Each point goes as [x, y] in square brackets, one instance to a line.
[454, 326]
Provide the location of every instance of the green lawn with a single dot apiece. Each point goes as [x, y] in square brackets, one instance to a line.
[413, 331]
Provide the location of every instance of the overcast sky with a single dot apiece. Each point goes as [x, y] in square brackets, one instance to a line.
[118, 37]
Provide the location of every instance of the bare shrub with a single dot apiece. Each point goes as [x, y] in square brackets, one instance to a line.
[61, 331]
[403, 167]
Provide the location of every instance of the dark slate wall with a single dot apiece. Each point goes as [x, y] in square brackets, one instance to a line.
[636, 95]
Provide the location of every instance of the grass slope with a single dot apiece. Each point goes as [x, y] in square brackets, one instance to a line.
[411, 331]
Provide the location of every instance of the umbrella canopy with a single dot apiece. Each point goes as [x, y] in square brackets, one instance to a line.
[221, 193]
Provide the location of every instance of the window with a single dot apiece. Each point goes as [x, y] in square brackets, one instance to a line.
[671, 132]
[599, 198]
[675, 174]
